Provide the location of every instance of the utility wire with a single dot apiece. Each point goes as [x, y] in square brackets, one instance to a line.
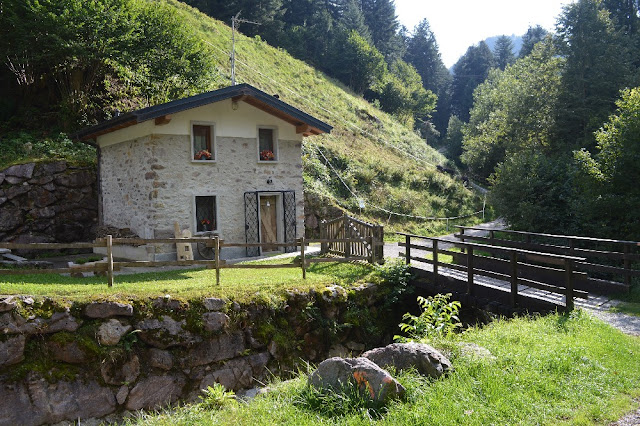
[281, 85]
[332, 113]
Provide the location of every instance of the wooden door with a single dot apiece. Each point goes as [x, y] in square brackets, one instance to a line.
[269, 221]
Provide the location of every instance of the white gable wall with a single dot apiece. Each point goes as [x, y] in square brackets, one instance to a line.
[233, 123]
[149, 181]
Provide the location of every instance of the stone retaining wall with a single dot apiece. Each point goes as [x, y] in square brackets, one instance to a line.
[48, 202]
[92, 360]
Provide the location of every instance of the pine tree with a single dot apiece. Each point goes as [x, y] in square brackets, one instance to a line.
[503, 52]
[598, 66]
[470, 70]
[534, 35]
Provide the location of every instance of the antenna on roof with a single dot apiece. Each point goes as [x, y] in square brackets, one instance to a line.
[234, 24]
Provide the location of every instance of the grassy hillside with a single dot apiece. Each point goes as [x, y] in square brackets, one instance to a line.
[368, 158]
[380, 161]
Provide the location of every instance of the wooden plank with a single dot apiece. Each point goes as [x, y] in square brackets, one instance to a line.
[552, 288]
[536, 234]
[109, 262]
[605, 268]
[50, 246]
[491, 274]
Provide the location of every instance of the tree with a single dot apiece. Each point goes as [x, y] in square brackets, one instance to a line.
[470, 70]
[503, 52]
[357, 63]
[92, 55]
[380, 16]
[403, 95]
[598, 66]
[533, 36]
[514, 111]
[424, 55]
[610, 177]
[453, 140]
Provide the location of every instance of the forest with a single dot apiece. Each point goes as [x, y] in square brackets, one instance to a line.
[553, 130]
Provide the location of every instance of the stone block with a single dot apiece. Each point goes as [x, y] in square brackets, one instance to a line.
[12, 350]
[24, 171]
[108, 310]
[214, 321]
[214, 304]
[154, 392]
[219, 348]
[110, 332]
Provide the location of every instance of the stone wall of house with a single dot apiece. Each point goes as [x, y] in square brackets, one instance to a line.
[150, 182]
[48, 202]
[102, 358]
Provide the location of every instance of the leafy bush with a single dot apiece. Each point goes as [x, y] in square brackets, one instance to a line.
[439, 318]
[22, 146]
[217, 397]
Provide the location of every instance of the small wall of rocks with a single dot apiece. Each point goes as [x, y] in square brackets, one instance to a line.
[102, 358]
[48, 202]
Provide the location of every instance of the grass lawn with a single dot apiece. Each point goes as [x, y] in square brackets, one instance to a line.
[237, 284]
[571, 369]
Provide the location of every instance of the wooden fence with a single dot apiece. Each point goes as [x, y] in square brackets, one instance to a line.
[520, 263]
[619, 263]
[109, 265]
[364, 239]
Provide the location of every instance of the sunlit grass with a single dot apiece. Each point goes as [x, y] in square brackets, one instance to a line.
[560, 369]
[238, 284]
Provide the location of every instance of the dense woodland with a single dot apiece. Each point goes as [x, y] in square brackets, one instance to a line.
[554, 129]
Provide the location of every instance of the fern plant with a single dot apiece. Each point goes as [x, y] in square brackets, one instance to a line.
[439, 318]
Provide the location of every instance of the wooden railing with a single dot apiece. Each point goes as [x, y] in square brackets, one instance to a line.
[520, 263]
[108, 266]
[366, 239]
[619, 261]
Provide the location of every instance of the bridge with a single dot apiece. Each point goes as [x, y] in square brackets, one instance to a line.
[509, 272]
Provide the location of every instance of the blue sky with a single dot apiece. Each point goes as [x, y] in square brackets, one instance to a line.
[457, 24]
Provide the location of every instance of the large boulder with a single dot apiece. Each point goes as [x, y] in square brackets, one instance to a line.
[336, 374]
[423, 358]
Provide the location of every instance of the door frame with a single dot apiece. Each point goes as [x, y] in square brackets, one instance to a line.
[279, 218]
[252, 219]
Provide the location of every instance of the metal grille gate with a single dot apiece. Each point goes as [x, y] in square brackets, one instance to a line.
[252, 219]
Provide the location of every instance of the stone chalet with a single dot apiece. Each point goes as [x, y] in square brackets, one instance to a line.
[226, 162]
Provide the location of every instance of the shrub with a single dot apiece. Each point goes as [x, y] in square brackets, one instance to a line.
[439, 318]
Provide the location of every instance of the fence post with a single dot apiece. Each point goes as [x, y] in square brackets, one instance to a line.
[302, 259]
[568, 270]
[380, 248]
[216, 250]
[407, 249]
[627, 265]
[434, 243]
[372, 253]
[110, 260]
[461, 239]
[324, 247]
[469, 270]
[514, 279]
[347, 244]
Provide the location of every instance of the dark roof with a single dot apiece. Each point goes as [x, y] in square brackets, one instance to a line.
[304, 123]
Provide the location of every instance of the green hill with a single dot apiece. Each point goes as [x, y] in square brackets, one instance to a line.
[369, 158]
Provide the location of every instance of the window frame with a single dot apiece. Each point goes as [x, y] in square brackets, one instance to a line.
[215, 212]
[276, 152]
[212, 133]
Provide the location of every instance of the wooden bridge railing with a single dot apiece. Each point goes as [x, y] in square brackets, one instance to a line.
[620, 261]
[108, 266]
[519, 260]
[367, 238]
